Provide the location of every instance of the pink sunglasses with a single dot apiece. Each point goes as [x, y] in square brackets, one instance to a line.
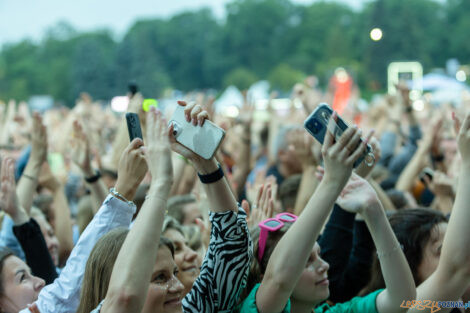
[271, 225]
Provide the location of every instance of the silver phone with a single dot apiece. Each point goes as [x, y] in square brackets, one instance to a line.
[204, 141]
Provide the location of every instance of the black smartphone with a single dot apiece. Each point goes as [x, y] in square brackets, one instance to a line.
[133, 126]
[316, 124]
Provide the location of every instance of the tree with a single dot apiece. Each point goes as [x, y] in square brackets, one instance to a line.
[241, 78]
[283, 77]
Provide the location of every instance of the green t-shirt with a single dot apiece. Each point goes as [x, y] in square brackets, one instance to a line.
[355, 305]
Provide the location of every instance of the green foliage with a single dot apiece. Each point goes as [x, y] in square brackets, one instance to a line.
[259, 39]
[283, 77]
[241, 78]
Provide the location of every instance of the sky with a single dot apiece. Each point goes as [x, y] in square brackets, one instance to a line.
[20, 19]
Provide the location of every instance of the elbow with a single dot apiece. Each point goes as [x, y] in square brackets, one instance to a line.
[123, 299]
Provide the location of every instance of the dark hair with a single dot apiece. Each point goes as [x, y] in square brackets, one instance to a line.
[100, 264]
[258, 268]
[398, 198]
[413, 229]
[4, 254]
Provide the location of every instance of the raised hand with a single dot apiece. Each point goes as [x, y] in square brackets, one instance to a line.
[463, 138]
[363, 169]
[38, 141]
[264, 206]
[158, 150]
[252, 188]
[339, 157]
[131, 169]
[193, 113]
[357, 195]
[81, 149]
[8, 199]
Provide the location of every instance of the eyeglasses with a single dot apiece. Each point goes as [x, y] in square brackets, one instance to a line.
[271, 225]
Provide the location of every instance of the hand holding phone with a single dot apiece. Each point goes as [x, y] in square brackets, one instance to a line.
[316, 124]
[202, 140]
[133, 126]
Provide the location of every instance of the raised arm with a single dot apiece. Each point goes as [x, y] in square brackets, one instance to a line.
[81, 156]
[418, 161]
[219, 194]
[225, 268]
[60, 206]
[290, 256]
[452, 276]
[130, 278]
[360, 197]
[29, 180]
[64, 294]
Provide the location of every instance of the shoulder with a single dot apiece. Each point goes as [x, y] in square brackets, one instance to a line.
[355, 305]
[249, 304]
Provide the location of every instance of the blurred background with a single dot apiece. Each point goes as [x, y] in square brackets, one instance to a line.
[58, 49]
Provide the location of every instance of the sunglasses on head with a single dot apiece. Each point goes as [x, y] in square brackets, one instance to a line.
[271, 225]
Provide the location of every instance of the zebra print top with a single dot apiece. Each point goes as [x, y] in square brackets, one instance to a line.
[224, 271]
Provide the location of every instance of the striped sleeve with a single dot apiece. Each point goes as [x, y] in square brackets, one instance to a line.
[225, 268]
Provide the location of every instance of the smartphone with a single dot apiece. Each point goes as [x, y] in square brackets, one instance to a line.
[133, 126]
[204, 141]
[316, 124]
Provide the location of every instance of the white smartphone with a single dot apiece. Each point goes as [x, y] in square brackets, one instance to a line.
[204, 141]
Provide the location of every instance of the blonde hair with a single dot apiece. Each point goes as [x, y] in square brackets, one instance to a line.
[99, 267]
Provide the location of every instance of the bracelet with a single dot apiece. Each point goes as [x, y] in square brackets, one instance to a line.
[390, 252]
[93, 178]
[184, 159]
[30, 177]
[212, 177]
[148, 197]
[116, 194]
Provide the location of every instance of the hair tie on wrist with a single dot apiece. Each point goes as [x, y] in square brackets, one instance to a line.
[212, 177]
[93, 178]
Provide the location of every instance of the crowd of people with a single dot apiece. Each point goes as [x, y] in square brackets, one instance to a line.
[274, 222]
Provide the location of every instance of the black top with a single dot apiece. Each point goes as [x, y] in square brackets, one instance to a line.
[35, 249]
[347, 246]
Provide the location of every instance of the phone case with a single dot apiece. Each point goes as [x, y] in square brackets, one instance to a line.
[316, 124]
[203, 141]
[133, 126]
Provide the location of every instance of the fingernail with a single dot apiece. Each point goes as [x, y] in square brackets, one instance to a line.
[194, 121]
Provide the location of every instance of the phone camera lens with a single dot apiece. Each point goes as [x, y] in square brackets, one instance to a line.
[315, 126]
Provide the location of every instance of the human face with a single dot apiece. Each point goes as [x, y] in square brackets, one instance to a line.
[191, 213]
[312, 286]
[185, 258]
[165, 291]
[432, 252]
[51, 240]
[19, 285]
[288, 156]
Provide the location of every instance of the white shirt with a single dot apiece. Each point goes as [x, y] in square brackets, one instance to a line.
[64, 294]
